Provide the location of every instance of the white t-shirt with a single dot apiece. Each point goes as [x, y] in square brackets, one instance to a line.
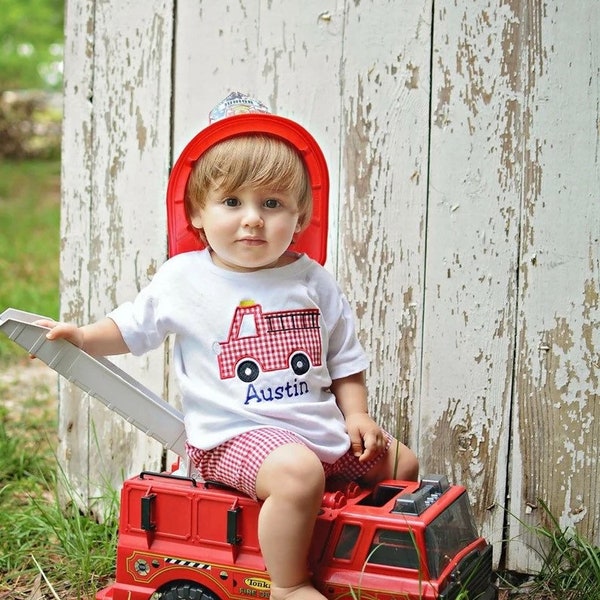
[251, 350]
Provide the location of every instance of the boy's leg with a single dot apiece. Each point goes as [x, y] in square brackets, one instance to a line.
[291, 482]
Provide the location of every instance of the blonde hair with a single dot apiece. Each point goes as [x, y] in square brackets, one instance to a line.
[250, 161]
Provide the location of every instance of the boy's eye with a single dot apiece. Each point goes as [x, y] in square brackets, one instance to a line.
[231, 202]
[272, 203]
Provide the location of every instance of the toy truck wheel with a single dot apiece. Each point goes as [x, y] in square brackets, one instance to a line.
[185, 591]
[247, 371]
[300, 363]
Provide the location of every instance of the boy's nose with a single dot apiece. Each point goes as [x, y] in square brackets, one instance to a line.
[252, 218]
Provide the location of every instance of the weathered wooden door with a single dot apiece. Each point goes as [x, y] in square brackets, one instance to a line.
[462, 141]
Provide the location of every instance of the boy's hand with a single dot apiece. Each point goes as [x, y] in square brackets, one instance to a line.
[102, 338]
[366, 438]
[63, 331]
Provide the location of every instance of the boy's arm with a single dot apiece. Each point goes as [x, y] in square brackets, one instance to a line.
[366, 438]
[102, 338]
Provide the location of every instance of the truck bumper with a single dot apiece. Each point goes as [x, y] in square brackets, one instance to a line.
[124, 592]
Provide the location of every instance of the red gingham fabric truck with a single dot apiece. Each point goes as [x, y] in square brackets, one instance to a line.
[270, 341]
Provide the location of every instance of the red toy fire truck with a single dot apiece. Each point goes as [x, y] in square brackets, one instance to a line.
[185, 539]
[179, 538]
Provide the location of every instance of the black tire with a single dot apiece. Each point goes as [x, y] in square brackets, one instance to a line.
[179, 590]
[247, 371]
[300, 363]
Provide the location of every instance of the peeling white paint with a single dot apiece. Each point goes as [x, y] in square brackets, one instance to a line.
[467, 239]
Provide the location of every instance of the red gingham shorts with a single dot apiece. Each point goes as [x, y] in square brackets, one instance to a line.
[237, 461]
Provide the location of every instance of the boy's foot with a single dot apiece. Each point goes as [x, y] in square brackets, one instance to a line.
[304, 591]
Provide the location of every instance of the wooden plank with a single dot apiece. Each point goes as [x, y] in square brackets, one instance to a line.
[385, 99]
[75, 213]
[472, 253]
[556, 421]
[114, 238]
[215, 50]
[300, 48]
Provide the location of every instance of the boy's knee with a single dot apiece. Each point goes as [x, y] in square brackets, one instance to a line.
[293, 470]
[399, 462]
[407, 466]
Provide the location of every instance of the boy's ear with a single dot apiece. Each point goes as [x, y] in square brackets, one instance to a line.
[196, 220]
[303, 221]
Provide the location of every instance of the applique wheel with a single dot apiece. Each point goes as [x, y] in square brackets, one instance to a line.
[186, 591]
[247, 371]
[300, 363]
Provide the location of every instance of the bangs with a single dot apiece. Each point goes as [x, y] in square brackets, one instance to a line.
[256, 162]
[250, 161]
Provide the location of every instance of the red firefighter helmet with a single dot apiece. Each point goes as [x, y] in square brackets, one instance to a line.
[243, 116]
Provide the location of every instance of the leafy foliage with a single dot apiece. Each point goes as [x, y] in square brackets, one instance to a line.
[31, 44]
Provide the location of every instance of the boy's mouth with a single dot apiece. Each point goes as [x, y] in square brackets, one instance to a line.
[252, 241]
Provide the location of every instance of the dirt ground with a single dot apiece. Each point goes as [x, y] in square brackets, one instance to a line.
[27, 379]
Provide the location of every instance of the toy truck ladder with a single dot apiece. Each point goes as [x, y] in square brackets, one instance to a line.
[99, 378]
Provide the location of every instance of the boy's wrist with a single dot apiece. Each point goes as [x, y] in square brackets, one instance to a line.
[358, 415]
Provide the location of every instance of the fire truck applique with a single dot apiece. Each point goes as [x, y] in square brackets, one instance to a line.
[273, 341]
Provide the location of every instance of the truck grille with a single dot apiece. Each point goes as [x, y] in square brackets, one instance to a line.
[472, 575]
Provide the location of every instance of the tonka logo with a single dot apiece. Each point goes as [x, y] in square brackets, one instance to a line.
[257, 583]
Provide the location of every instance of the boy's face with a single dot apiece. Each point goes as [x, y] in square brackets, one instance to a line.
[250, 228]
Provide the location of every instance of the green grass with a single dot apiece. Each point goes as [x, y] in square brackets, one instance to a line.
[29, 244]
[570, 563]
[46, 538]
